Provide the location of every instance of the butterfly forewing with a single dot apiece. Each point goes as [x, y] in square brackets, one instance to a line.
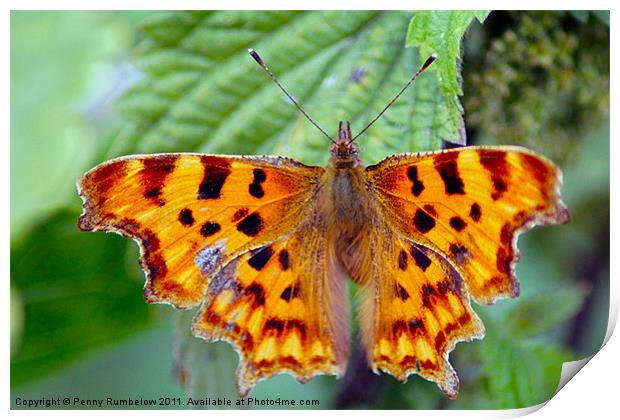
[192, 214]
[469, 205]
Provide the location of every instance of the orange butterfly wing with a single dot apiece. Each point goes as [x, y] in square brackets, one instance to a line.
[221, 229]
[179, 206]
[463, 209]
[414, 311]
[284, 306]
[469, 205]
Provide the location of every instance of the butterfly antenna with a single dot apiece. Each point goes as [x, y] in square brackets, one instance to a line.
[261, 63]
[427, 63]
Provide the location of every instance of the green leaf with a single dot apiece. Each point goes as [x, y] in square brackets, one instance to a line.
[76, 292]
[440, 32]
[538, 313]
[517, 369]
[202, 92]
[520, 374]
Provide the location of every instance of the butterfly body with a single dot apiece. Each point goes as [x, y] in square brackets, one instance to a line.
[265, 246]
[344, 199]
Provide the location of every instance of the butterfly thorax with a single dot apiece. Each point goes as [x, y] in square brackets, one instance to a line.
[344, 178]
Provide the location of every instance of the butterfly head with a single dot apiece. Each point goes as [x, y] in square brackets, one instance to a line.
[344, 152]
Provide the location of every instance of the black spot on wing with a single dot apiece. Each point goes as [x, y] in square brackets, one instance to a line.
[186, 217]
[251, 225]
[284, 258]
[259, 175]
[418, 186]
[423, 221]
[216, 170]
[209, 228]
[287, 294]
[420, 258]
[255, 188]
[290, 292]
[154, 192]
[446, 166]
[457, 223]
[415, 325]
[475, 212]
[260, 258]
[401, 292]
[257, 291]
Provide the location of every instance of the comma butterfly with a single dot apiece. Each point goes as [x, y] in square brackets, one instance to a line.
[265, 245]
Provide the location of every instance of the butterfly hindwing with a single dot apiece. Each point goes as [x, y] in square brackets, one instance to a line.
[469, 205]
[283, 306]
[192, 213]
[414, 311]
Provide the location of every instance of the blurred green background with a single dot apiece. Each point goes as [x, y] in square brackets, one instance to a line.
[88, 86]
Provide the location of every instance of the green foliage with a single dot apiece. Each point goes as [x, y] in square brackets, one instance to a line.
[48, 135]
[544, 60]
[520, 375]
[519, 368]
[77, 292]
[203, 92]
[440, 32]
[538, 313]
